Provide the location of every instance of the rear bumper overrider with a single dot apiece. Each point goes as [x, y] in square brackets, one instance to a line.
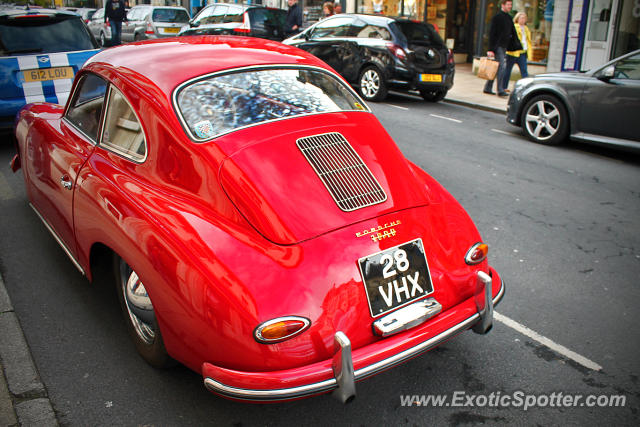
[306, 381]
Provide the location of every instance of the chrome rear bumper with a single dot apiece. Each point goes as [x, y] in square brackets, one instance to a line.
[345, 377]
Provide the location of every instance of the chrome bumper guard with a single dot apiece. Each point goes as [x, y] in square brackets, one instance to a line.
[343, 383]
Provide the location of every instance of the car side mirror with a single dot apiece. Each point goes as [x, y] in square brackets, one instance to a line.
[607, 74]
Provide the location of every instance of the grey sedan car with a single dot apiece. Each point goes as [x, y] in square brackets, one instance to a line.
[600, 106]
[152, 22]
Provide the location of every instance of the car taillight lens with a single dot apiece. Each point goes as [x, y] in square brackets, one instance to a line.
[450, 57]
[149, 28]
[397, 51]
[477, 253]
[245, 28]
[280, 329]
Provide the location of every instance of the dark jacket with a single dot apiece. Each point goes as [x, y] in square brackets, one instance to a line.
[503, 33]
[294, 17]
[115, 10]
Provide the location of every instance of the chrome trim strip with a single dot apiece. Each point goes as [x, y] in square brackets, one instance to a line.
[407, 317]
[59, 240]
[323, 386]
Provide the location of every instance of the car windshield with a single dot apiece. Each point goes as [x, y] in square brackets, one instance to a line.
[219, 104]
[40, 34]
[170, 15]
[417, 32]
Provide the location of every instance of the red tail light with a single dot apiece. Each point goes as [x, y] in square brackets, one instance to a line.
[149, 29]
[241, 30]
[450, 57]
[396, 50]
[245, 28]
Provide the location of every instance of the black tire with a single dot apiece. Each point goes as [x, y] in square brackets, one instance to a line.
[137, 37]
[140, 318]
[433, 95]
[545, 120]
[372, 85]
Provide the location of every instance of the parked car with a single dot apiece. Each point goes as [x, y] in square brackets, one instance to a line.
[85, 12]
[601, 106]
[40, 52]
[242, 20]
[377, 53]
[264, 228]
[151, 22]
[100, 29]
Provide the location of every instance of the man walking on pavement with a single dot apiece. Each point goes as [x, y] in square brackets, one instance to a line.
[293, 24]
[114, 10]
[502, 38]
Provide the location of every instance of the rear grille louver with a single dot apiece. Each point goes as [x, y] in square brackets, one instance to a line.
[342, 171]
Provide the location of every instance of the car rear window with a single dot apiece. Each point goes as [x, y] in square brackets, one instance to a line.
[416, 32]
[44, 34]
[222, 103]
[170, 15]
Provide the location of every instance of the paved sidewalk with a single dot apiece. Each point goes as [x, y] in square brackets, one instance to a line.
[23, 397]
[467, 89]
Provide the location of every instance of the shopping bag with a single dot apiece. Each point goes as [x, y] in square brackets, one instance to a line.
[488, 68]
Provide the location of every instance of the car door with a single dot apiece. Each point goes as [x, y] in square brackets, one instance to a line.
[329, 40]
[610, 106]
[96, 23]
[59, 156]
[129, 26]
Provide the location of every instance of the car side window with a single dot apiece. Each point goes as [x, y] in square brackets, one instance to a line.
[85, 109]
[336, 27]
[628, 68]
[212, 15]
[234, 14]
[372, 32]
[122, 130]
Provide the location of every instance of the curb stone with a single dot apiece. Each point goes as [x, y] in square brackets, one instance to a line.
[23, 397]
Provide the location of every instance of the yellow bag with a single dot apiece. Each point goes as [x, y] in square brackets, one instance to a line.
[488, 68]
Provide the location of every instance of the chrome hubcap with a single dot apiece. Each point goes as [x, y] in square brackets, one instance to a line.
[370, 83]
[543, 120]
[136, 297]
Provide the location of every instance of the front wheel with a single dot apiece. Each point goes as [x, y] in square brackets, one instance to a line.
[545, 120]
[372, 84]
[140, 316]
[433, 95]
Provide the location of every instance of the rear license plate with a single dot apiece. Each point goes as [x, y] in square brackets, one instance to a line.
[431, 77]
[173, 30]
[395, 277]
[44, 74]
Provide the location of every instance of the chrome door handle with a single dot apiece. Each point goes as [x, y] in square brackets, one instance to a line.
[66, 182]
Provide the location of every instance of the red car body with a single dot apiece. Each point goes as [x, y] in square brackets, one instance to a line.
[232, 231]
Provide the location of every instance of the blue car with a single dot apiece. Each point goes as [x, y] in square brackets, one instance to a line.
[41, 50]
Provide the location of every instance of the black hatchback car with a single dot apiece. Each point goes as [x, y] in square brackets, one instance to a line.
[377, 53]
[239, 20]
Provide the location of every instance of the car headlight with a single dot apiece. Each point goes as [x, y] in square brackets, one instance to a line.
[524, 82]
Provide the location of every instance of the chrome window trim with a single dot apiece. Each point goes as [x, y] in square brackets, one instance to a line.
[67, 107]
[114, 148]
[180, 87]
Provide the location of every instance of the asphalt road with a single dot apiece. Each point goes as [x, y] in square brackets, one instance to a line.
[564, 232]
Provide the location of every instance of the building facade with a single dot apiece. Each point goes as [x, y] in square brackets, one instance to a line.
[566, 34]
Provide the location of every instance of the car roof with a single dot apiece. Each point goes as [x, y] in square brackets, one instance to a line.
[16, 12]
[198, 55]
